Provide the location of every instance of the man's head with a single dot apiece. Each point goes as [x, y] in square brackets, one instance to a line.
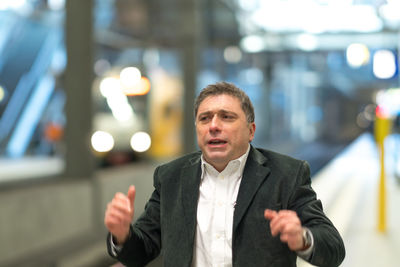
[227, 89]
[225, 125]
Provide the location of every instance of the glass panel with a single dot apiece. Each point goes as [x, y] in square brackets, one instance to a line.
[32, 61]
[137, 90]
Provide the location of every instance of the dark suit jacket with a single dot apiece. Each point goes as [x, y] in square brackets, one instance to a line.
[270, 180]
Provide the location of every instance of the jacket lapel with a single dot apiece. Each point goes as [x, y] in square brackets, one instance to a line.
[254, 174]
[190, 180]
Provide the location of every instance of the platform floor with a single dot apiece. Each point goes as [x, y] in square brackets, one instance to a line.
[348, 188]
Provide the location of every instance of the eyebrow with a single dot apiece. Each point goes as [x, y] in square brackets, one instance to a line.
[218, 111]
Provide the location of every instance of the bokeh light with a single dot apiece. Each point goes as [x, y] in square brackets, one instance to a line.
[357, 55]
[12, 4]
[252, 44]
[389, 101]
[307, 42]
[384, 64]
[140, 142]
[56, 5]
[232, 54]
[130, 76]
[2, 94]
[382, 112]
[101, 66]
[53, 132]
[102, 141]
[109, 86]
[141, 88]
[120, 107]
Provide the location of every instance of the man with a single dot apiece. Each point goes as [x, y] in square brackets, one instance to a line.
[229, 205]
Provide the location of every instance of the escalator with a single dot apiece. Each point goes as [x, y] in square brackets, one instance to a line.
[26, 57]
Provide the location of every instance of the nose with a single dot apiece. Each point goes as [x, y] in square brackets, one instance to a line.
[215, 125]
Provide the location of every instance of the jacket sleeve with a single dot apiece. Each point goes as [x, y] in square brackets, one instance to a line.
[328, 245]
[144, 242]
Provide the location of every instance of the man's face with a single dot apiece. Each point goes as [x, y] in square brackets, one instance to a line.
[223, 133]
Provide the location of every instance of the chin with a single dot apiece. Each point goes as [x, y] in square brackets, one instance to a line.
[218, 157]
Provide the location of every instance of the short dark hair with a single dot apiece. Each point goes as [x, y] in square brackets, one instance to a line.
[225, 88]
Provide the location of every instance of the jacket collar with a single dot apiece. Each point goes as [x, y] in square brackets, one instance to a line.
[190, 183]
[255, 172]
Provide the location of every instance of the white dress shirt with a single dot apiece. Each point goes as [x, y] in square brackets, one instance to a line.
[218, 193]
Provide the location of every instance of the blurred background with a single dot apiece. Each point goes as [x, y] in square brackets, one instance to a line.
[94, 94]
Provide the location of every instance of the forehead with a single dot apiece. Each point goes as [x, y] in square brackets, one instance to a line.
[220, 102]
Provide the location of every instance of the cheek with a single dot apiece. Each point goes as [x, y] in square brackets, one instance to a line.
[245, 135]
[200, 132]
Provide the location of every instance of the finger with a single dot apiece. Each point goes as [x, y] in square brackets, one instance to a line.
[284, 215]
[121, 202]
[116, 225]
[291, 234]
[122, 217]
[117, 221]
[118, 210]
[112, 220]
[121, 198]
[284, 238]
[131, 196]
[283, 223]
[292, 229]
[277, 223]
[119, 195]
[269, 214]
[277, 227]
[122, 205]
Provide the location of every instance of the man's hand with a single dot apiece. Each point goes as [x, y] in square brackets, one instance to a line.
[288, 225]
[119, 215]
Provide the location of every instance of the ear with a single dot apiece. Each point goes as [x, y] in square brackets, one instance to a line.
[252, 129]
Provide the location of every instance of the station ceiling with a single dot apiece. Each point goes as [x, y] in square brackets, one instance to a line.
[269, 25]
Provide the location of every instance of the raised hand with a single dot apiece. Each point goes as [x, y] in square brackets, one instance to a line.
[119, 215]
[288, 225]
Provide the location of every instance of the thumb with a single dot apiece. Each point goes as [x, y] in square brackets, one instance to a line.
[131, 196]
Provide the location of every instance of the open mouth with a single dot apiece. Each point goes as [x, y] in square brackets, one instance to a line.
[216, 142]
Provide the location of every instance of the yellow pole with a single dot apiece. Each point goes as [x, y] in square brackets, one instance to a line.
[382, 192]
[382, 129]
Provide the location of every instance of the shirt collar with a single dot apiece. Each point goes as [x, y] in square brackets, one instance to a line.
[236, 165]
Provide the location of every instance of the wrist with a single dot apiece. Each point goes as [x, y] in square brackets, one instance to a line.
[120, 240]
[307, 239]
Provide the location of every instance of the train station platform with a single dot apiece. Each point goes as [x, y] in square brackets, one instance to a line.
[348, 189]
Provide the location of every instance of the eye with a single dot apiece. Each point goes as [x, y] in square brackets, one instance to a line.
[203, 118]
[227, 116]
